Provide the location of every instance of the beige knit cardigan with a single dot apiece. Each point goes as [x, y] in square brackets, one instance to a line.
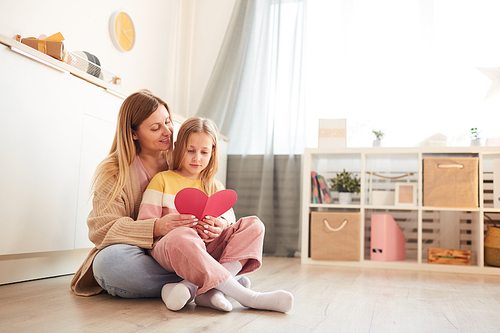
[115, 224]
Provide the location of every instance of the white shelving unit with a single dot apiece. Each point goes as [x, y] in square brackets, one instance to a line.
[424, 227]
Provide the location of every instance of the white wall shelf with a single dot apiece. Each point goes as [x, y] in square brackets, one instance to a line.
[424, 226]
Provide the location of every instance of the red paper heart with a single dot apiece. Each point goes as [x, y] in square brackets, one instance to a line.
[193, 201]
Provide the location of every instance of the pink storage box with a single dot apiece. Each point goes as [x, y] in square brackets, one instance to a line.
[387, 239]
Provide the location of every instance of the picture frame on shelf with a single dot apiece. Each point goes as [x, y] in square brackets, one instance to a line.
[406, 194]
[332, 133]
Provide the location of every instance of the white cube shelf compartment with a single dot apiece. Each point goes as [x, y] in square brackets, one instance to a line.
[380, 170]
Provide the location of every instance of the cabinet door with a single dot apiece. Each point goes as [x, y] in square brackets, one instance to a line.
[40, 147]
[96, 141]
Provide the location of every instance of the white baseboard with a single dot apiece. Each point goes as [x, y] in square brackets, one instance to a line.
[31, 266]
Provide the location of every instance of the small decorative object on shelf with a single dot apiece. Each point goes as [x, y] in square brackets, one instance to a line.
[52, 45]
[90, 64]
[379, 135]
[346, 183]
[475, 138]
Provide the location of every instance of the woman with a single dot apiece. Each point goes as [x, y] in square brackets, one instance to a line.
[119, 263]
[214, 255]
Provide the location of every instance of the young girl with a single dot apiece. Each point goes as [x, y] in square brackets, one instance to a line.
[213, 254]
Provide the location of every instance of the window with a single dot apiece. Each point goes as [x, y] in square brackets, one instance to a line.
[407, 67]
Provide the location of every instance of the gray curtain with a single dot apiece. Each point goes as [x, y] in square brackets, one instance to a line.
[255, 96]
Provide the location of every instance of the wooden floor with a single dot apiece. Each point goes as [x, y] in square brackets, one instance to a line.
[327, 299]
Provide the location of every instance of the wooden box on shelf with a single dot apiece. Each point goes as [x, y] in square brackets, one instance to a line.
[449, 256]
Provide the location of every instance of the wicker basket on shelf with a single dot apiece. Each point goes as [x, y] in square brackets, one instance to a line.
[492, 246]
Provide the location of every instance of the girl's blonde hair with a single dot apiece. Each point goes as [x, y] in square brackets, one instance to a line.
[198, 125]
[135, 109]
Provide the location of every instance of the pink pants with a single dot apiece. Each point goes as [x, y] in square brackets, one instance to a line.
[182, 251]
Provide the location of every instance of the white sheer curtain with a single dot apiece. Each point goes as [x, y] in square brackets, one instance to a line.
[255, 97]
[408, 68]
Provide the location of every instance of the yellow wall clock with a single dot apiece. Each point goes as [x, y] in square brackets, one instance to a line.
[122, 31]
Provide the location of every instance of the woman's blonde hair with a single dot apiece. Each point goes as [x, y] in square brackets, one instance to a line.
[198, 125]
[135, 109]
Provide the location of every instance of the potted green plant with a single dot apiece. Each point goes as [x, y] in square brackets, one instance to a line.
[475, 138]
[378, 138]
[346, 183]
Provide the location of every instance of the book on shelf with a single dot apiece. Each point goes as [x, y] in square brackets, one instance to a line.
[316, 198]
[319, 190]
[324, 192]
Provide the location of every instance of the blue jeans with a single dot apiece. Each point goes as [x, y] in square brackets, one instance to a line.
[129, 271]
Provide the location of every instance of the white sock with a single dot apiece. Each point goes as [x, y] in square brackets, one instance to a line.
[177, 295]
[214, 299]
[279, 300]
[244, 281]
[234, 267]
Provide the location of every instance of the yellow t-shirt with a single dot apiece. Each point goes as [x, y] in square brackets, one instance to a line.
[158, 199]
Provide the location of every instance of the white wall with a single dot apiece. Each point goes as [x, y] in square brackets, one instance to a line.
[177, 40]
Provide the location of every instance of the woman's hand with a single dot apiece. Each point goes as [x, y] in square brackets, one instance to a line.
[210, 228]
[171, 221]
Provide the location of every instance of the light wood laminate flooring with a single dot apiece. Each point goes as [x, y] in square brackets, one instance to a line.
[327, 299]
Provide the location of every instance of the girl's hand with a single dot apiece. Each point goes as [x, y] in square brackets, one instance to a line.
[210, 228]
[171, 221]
